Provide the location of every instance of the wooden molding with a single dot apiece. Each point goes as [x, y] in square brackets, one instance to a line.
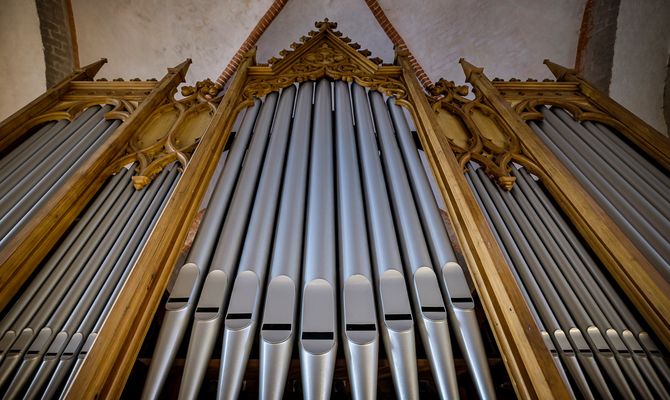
[29, 245]
[639, 132]
[641, 282]
[528, 361]
[9, 128]
[110, 360]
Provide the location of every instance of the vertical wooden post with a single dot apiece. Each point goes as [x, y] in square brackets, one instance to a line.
[9, 132]
[35, 239]
[638, 278]
[526, 357]
[642, 134]
[108, 364]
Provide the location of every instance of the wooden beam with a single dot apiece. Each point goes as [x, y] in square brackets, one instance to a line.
[9, 128]
[528, 361]
[654, 143]
[110, 361]
[641, 282]
[35, 239]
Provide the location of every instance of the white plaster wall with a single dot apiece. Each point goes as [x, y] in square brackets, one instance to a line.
[22, 70]
[641, 58]
[141, 38]
[509, 38]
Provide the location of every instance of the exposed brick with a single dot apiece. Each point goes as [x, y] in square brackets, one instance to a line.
[59, 54]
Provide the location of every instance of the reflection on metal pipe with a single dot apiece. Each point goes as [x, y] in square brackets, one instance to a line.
[318, 314]
[455, 287]
[181, 303]
[428, 304]
[239, 328]
[211, 305]
[278, 328]
[393, 302]
[359, 319]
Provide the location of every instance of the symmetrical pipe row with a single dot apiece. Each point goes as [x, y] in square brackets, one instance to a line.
[51, 326]
[303, 219]
[42, 163]
[633, 191]
[592, 334]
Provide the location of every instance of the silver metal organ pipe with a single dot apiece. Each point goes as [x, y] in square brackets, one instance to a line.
[182, 300]
[630, 321]
[565, 355]
[654, 209]
[239, 328]
[278, 327]
[357, 302]
[101, 203]
[318, 315]
[393, 302]
[428, 303]
[33, 343]
[554, 314]
[25, 151]
[592, 292]
[45, 355]
[457, 293]
[69, 266]
[24, 179]
[571, 287]
[640, 231]
[544, 269]
[41, 193]
[75, 352]
[213, 298]
[629, 154]
[58, 144]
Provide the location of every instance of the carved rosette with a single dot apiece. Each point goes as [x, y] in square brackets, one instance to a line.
[171, 133]
[484, 137]
[324, 53]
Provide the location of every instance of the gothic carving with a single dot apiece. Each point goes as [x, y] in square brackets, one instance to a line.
[477, 133]
[171, 133]
[324, 53]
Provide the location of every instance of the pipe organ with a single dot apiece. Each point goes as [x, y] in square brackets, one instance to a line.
[284, 238]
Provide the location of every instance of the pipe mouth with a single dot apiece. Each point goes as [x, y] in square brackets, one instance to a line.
[318, 318]
[431, 305]
[359, 315]
[280, 307]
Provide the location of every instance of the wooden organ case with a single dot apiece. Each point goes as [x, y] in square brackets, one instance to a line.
[527, 213]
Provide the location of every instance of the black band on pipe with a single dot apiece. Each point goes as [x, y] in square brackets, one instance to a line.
[317, 336]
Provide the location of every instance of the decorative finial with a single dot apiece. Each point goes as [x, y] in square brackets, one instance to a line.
[469, 69]
[560, 72]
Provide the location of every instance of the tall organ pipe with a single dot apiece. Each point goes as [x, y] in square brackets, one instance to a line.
[25, 151]
[41, 193]
[278, 328]
[58, 144]
[357, 302]
[589, 291]
[629, 320]
[571, 288]
[561, 351]
[455, 287]
[553, 312]
[72, 358]
[54, 335]
[80, 231]
[428, 303]
[69, 266]
[641, 228]
[213, 298]
[318, 315]
[393, 301]
[239, 328]
[179, 306]
[45, 324]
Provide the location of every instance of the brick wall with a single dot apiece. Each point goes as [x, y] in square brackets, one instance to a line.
[57, 39]
[595, 50]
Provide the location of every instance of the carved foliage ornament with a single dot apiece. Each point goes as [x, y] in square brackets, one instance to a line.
[324, 53]
[489, 142]
[171, 133]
